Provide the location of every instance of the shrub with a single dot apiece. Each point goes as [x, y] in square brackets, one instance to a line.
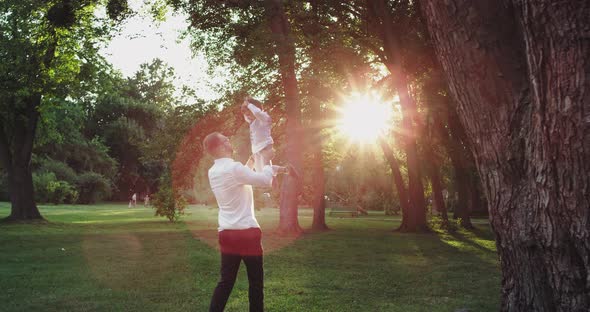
[61, 170]
[50, 190]
[93, 187]
[41, 185]
[169, 203]
[62, 192]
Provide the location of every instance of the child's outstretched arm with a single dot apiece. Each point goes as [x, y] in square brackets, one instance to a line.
[258, 113]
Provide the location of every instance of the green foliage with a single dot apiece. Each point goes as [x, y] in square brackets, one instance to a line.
[118, 9]
[141, 120]
[62, 14]
[48, 189]
[169, 203]
[61, 170]
[45, 48]
[93, 187]
[361, 177]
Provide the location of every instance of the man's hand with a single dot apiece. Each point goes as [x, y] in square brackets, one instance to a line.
[244, 106]
[250, 162]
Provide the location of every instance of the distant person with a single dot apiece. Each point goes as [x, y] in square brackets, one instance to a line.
[146, 200]
[133, 201]
[239, 232]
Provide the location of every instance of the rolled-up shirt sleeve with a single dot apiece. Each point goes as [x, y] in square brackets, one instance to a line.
[245, 175]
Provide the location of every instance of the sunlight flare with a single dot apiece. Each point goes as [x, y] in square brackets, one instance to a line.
[364, 117]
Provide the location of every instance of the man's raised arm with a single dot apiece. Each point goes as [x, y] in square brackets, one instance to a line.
[247, 176]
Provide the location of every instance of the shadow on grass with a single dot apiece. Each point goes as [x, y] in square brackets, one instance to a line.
[483, 232]
[135, 266]
[376, 270]
[475, 237]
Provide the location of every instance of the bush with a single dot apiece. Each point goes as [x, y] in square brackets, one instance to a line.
[93, 187]
[169, 203]
[63, 192]
[50, 190]
[61, 170]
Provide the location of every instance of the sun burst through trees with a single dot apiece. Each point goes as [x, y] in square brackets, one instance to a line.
[364, 117]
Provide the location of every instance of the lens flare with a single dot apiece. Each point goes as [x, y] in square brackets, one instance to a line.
[364, 117]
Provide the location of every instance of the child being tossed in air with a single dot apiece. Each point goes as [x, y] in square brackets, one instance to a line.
[260, 138]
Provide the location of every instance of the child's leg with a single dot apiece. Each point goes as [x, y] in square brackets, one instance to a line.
[258, 162]
[267, 154]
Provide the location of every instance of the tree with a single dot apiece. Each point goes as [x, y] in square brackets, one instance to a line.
[129, 117]
[516, 70]
[456, 146]
[285, 49]
[40, 47]
[433, 165]
[380, 14]
[317, 93]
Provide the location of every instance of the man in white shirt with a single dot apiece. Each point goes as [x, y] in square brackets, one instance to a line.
[239, 232]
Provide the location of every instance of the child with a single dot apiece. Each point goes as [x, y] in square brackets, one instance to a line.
[262, 143]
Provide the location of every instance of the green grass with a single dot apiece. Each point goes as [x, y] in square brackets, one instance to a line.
[111, 258]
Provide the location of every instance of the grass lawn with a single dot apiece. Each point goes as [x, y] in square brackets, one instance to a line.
[111, 258]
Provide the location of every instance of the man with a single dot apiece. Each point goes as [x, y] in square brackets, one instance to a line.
[239, 232]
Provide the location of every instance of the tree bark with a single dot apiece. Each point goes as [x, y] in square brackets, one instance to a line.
[478, 206]
[400, 186]
[460, 162]
[415, 220]
[520, 74]
[437, 195]
[433, 166]
[318, 200]
[15, 154]
[285, 49]
[318, 175]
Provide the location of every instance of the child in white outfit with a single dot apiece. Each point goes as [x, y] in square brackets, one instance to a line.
[260, 138]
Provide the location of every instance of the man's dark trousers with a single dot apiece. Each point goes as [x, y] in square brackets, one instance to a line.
[238, 245]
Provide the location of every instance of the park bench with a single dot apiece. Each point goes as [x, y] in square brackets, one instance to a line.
[346, 210]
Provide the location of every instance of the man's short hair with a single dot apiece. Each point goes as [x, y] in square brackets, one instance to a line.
[211, 142]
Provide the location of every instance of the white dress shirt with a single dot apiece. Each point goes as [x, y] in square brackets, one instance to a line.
[232, 183]
[259, 129]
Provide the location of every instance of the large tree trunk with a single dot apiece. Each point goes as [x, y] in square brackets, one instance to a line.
[318, 199]
[478, 206]
[415, 220]
[461, 166]
[436, 133]
[318, 175]
[433, 167]
[15, 154]
[400, 186]
[520, 74]
[285, 49]
[438, 200]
